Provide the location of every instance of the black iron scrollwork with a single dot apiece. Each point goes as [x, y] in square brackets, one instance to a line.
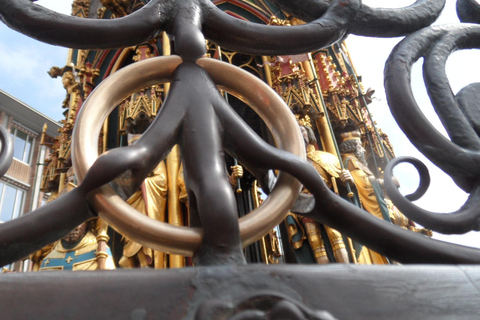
[183, 20]
[206, 124]
[468, 11]
[374, 22]
[459, 157]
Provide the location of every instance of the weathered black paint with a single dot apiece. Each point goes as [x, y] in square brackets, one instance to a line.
[344, 291]
[205, 126]
[459, 157]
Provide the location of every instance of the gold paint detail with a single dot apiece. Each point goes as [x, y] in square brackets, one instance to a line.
[119, 8]
[81, 8]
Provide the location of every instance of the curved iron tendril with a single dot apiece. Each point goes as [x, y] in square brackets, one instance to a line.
[373, 22]
[423, 174]
[468, 11]
[328, 23]
[184, 19]
[193, 15]
[458, 157]
[73, 32]
[6, 150]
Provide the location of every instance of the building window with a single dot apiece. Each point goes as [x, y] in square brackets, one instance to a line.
[11, 202]
[22, 145]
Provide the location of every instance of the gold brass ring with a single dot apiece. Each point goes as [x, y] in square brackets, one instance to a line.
[160, 235]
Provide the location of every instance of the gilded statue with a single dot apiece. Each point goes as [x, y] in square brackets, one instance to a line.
[328, 167]
[160, 195]
[151, 200]
[369, 194]
[402, 221]
[78, 250]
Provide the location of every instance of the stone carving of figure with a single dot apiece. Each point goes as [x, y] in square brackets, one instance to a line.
[76, 251]
[328, 167]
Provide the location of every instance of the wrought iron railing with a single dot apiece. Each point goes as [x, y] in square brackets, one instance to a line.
[197, 118]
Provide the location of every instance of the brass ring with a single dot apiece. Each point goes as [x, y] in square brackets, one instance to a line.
[160, 235]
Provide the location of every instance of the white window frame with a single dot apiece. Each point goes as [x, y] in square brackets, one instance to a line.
[30, 138]
[18, 202]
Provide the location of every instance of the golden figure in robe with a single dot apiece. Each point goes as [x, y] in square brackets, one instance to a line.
[153, 200]
[328, 166]
[369, 192]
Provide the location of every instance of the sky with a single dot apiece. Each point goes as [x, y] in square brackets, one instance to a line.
[25, 62]
[24, 66]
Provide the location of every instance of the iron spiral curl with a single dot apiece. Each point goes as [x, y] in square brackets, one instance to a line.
[458, 156]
